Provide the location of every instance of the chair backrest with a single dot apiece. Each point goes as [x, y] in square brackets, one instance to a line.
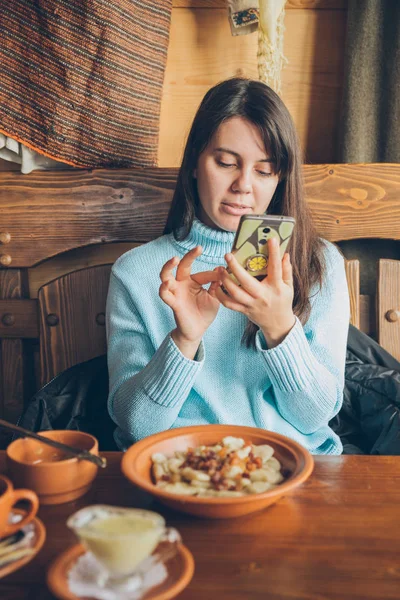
[48, 214]
[72, 319]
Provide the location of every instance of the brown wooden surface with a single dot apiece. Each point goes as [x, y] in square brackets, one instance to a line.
[337, 537]
[72, 319]
[12, 355]
[50, 212]
[355, 201]
[202, 52]
[388, 306]
[47, 213]
[353, 282]
[19, 318]
[89, 256]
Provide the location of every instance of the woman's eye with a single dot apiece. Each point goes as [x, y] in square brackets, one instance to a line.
[265, 173]
[226, 165]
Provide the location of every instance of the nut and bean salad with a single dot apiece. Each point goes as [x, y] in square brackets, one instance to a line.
[231, 468]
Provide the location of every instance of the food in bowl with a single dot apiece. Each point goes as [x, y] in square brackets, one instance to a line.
[230, 468]
[297, 465]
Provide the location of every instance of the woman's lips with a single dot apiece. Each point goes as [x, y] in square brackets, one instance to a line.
[236, 210]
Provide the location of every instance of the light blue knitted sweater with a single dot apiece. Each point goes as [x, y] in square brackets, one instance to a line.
[294, 388]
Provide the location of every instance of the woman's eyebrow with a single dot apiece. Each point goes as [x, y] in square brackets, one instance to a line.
[221, 149]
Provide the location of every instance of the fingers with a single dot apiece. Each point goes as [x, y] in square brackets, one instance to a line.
[287, 270]
[212, 290]
[205, 277]
[166, 271]
[274, 262]
[167, 295]
[236, 293]
[248, 283]
[229, 302]
[185, 265]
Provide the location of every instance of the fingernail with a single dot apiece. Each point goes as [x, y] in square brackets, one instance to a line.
[228, 257]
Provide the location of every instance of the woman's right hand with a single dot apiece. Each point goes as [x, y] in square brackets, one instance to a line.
[194, 307]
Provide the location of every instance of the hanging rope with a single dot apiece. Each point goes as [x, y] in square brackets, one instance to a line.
[271, 59]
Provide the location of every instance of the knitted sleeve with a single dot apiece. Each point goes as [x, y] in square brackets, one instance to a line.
[307, 368]
[148, 386]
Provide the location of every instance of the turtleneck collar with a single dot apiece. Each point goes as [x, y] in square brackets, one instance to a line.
[215, 243]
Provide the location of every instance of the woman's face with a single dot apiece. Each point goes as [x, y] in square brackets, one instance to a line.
[235, 175]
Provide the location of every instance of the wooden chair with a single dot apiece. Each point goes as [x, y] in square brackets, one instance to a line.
[47, 214]
[72, 319]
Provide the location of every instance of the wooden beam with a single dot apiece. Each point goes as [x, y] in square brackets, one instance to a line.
[47, 213]
[355, 201]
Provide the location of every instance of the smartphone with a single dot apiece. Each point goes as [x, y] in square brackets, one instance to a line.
[250, 245]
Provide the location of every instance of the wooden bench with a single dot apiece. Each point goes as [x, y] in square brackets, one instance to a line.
[57, 228]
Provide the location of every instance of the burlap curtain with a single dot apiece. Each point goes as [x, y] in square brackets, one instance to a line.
[371, 103]
[81, 81]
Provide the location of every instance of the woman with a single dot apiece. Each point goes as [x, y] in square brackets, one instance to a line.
[268, 354]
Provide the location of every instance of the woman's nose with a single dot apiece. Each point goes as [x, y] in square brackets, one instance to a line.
[242, 183]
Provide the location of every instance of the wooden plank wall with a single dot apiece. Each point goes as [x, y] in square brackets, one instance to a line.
[202, 52]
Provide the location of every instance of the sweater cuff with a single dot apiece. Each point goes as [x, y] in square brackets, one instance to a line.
[170, 375]
[290, 364]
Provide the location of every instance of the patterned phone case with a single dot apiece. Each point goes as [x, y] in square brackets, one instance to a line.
[250, 245]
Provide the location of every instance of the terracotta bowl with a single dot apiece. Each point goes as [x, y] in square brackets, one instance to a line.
[296, 462]
[43, 469]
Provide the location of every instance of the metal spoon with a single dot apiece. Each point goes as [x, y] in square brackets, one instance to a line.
[81, 454]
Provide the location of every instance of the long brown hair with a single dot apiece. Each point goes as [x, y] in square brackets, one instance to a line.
[259, 104]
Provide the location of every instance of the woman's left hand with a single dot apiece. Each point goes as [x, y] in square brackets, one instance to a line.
[267, 303]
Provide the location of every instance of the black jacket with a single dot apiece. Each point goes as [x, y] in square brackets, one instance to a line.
[368, 422]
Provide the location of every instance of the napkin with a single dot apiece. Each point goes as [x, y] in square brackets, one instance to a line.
[87, 578]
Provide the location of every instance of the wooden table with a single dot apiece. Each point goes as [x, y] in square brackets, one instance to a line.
[337, 537]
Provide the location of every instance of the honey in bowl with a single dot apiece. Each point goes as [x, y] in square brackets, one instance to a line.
[119, 538]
